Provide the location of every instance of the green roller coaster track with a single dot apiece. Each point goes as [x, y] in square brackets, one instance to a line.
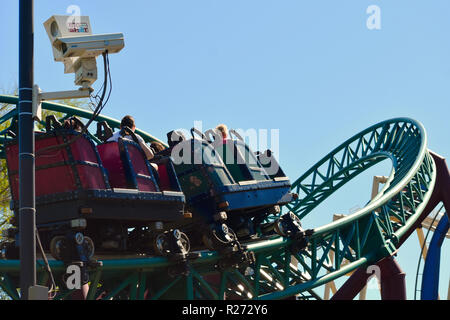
[362, 238]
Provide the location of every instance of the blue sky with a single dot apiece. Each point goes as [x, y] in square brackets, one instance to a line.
[311, 69]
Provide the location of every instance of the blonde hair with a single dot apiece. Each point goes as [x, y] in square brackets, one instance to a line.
[158, 147]
[223, 129]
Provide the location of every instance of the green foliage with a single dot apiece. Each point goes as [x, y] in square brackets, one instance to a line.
[5, 195]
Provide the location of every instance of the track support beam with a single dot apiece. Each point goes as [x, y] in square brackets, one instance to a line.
[393, 285]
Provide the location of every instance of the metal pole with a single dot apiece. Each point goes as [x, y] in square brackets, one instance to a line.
[27, 211]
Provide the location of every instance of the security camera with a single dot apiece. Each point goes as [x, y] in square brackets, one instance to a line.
[66, 26]
[79, 54]
[89, 46]
[74, 44]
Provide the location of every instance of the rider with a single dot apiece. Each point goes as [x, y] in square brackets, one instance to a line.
[127, 128]
[73, 123]
[223, 129]
[157, 147]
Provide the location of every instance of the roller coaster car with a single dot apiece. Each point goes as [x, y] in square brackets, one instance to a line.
[225, 181]
[104, 191]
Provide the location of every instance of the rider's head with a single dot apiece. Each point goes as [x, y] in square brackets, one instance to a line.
[223, 129]
[128, 121]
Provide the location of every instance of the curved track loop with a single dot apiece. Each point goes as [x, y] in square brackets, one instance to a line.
[362, 238]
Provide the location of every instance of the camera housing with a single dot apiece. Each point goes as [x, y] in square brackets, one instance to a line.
[74, 44]
[89, 46]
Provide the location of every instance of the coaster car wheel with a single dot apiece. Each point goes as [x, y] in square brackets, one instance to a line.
[58, 247]
[61, 248]
[288, 224]
[171, 242]
[89, 247]
[219, 237]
